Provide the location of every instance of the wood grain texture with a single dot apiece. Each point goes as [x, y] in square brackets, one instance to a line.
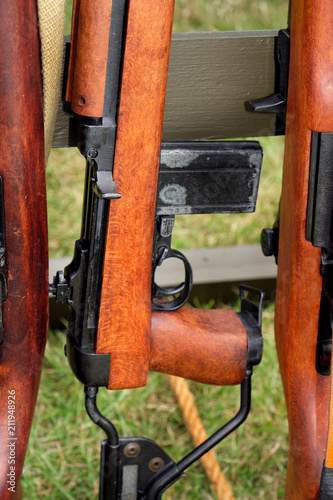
[299, 282]
[208, 346]
[125, 310]
[25, 312]
[211, 75]
[88, 59]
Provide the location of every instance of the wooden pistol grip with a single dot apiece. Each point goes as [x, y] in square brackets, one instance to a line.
[125, 311]
[25, 312]
[201, 345]
[88, 58]
[299, 283]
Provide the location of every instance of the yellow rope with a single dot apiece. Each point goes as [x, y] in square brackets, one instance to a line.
[186, 402]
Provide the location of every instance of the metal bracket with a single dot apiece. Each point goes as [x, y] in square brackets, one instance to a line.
[137, 468]
[251, 317]
[319, 224]
[90, 369]
[96, 143]
[324, 339]
[277, 103]
[141, 459]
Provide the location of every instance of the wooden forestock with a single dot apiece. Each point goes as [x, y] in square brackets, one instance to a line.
[25, 311]
[310, 108]
[202, 345]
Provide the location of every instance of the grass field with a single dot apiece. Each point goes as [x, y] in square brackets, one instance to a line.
[63, 456]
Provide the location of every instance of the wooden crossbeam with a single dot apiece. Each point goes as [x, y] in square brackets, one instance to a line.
[211, 77]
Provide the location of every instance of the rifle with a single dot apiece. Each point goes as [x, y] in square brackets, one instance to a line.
[302, 243]
[302, 320]
[122, 324]
[23, 236]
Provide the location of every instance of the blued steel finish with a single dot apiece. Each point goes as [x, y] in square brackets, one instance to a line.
[98, 418]
[161, 297]
[143, 463]
[98, 135]
[251, 316]
[110, 473]
[90, 369]
[326, 484]
[198, 178]
[169, 474]
[208, 177]
[319, 230]
[319, 221]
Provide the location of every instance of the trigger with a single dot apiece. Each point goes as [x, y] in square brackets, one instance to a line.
[162, 256]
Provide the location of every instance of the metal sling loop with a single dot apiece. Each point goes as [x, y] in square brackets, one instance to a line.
[172, 472]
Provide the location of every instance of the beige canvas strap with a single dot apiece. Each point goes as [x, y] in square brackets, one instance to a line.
[51, 15]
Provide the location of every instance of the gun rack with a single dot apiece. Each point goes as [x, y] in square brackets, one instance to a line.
[211, 76]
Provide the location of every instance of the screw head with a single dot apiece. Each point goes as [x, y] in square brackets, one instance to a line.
[156, 464]
[92, 153]
[132, 450]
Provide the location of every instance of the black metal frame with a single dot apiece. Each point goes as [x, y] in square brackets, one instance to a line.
[140, 454]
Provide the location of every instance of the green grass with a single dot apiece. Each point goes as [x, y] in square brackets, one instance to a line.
[216, 15]
[63, 456]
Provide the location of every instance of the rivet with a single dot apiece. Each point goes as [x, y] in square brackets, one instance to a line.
[132, 450]
[156, 464]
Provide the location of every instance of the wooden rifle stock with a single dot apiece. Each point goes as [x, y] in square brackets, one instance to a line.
[299, 285]
[25, 311]
[125, 310]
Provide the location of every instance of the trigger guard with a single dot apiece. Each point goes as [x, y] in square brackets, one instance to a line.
[166, 292]
[183, 288]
